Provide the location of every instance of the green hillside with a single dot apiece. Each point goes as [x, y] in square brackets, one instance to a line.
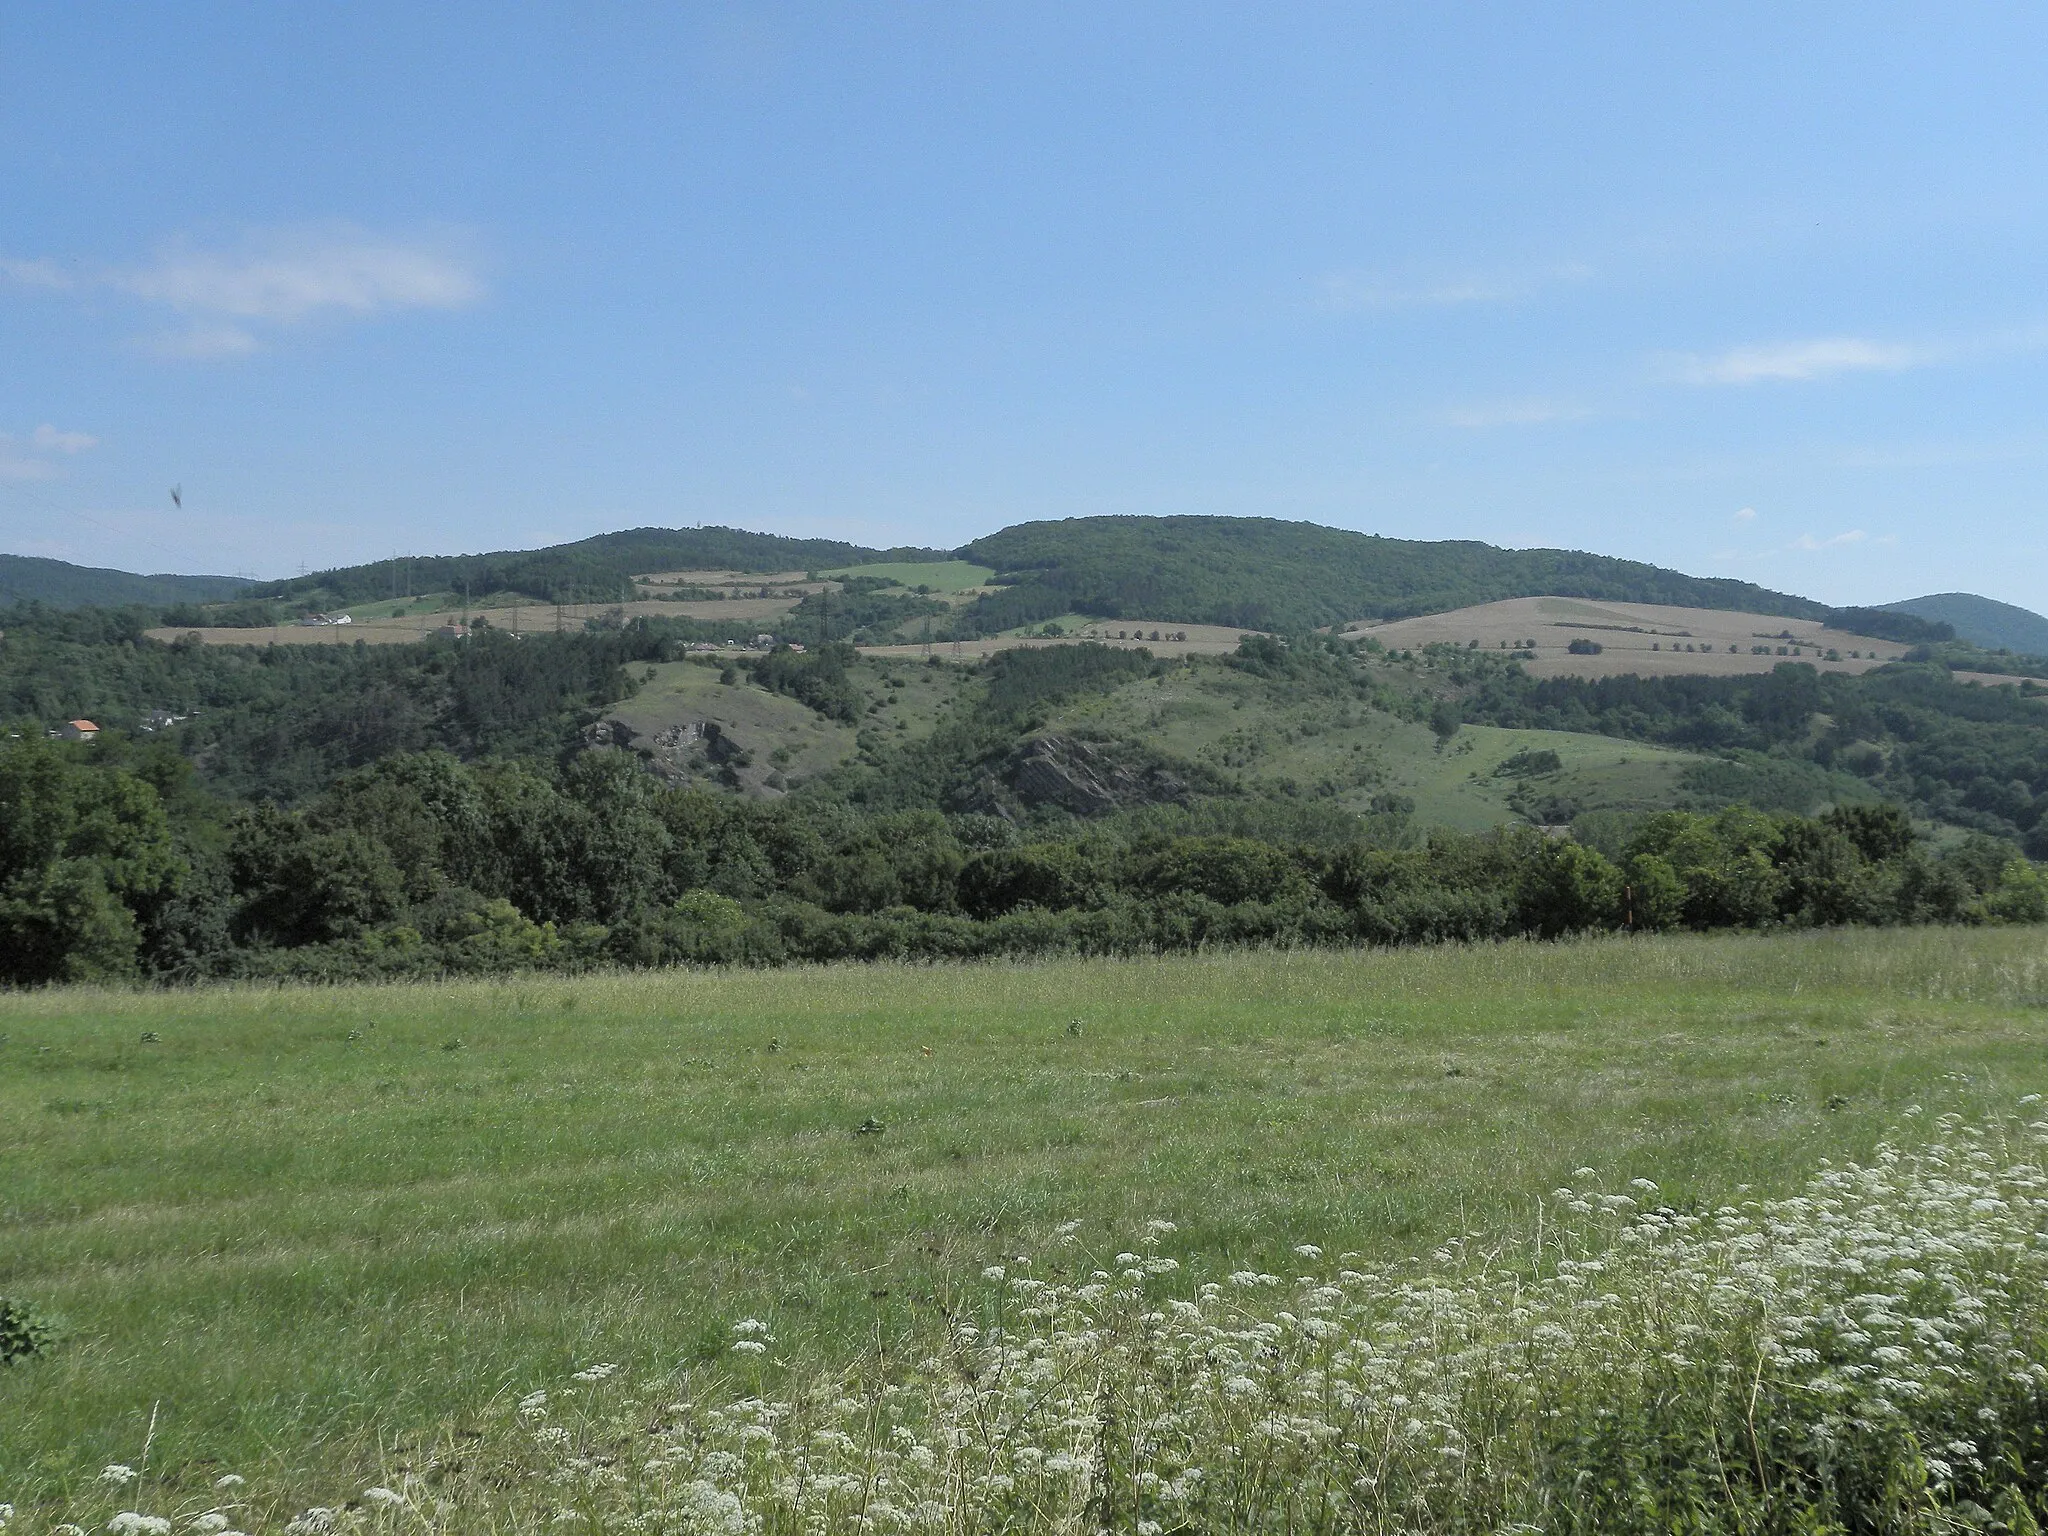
[1982, 621]
[1261, 573]
[597, 569]
[33, 579]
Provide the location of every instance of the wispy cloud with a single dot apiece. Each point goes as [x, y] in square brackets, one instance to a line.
[1745, 514]
[304, 274]
[1799, 361]
[1516, 413]
[31, 461]
[202, 343]
[1356, 292]
[1807, 541]
[41, 273]
[277, 279]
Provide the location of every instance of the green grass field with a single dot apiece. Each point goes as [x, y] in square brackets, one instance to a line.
[294, 1225]
[1234, 722]
[940, 575]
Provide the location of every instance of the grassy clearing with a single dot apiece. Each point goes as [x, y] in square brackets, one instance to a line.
[299, 1222]
[1235, 722]
[940, 575]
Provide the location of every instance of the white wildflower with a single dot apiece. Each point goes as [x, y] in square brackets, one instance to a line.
[117, 1475]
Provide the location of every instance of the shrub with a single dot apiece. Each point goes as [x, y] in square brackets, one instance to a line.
[24, 1331]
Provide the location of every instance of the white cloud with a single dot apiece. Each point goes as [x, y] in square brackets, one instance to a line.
[281, 278]
[1807, 541]
[202, 342]
[32, 464]
[1745, 514]
[1516, 413]
[1798, 361]
[301, 274]
[47, 439]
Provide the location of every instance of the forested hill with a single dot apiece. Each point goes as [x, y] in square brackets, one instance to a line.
[1982, 621]
[597, 569]
[1262, 573]
[33, 579]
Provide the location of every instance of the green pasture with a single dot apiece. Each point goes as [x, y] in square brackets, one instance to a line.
[295, 1225]
[940, 575]
[1458, 784]
[1237, 723]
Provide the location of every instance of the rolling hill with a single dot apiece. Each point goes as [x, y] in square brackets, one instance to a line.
[598, 569]
[1262, 573]
[1982, 621]
[34, 579]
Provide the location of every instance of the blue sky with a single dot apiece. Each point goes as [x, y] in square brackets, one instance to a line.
[1747, 290]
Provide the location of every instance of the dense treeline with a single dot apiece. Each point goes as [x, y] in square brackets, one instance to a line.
[1971, 756]
[111, 867]
[281, 721]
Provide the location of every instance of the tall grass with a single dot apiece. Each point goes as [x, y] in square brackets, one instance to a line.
[1868, 1355]
[302, 1225]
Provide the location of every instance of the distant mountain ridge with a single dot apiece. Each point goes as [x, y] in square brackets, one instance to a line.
[1252, 573]
[1263, 573]
[1982, 621]
[36, 579]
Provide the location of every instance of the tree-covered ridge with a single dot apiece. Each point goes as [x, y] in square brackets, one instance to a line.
[598, 569]
[1262, 573]
[34, 579]
[1982, 621]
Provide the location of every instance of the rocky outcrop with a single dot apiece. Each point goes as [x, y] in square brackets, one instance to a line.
[703, 749]
[1085, 779]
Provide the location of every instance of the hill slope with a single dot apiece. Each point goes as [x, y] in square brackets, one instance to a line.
[1262, 573]
[590, 570]
[34, 579]
[1981, 620]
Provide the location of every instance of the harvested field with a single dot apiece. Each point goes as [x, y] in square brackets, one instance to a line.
[1123, 635]
[1646, 639]
[524, 619]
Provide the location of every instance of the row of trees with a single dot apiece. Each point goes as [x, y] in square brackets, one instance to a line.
[421, 863]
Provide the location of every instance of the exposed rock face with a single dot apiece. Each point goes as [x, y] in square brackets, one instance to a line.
[1057, 770]
[698, 749]
[705, 736]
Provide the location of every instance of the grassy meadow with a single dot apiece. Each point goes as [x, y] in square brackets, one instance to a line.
[294, 1226]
